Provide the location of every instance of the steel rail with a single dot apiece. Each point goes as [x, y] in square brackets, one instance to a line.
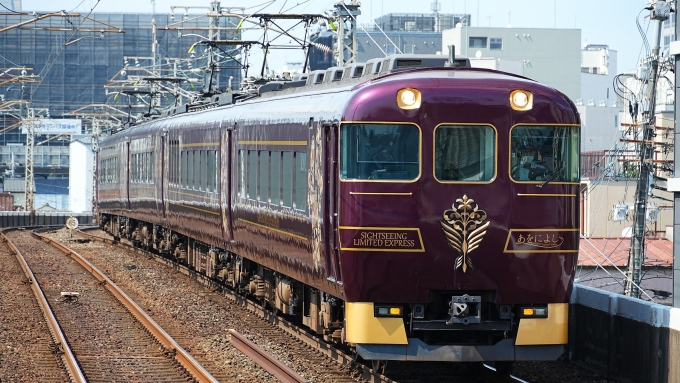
[280, 371]
[71, 363]
[334, 354]
[182, 356]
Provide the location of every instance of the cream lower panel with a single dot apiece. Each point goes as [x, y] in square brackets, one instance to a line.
[364, 327]
[551, 330]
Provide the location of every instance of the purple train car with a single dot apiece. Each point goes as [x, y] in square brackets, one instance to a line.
[426, 214]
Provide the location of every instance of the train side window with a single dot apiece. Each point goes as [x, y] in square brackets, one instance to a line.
[204, 171]
[242, 173]
[464, 153]
[145, 167]
[287, 179]
[252, 174]
[183, 165]
[275, 178]
[264, 176]
[197, 170]
[380, 152]
[301, 180]
[171, 162]
[152, 167]
[135, 167]
[544, 152]
[212, 155]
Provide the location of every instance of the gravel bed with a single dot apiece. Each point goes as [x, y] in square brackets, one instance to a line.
[109, 343]
[176, 301]
[199, 318]
[25, 341]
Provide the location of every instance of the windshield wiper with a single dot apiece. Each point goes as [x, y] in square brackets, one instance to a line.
[551, 178]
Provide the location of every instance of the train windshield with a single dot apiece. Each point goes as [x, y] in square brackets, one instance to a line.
[539, 153]
[465, 153]
[381, 152]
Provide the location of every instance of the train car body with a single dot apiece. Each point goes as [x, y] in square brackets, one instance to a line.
[430, 214]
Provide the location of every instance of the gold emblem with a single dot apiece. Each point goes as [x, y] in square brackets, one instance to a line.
[464, 229]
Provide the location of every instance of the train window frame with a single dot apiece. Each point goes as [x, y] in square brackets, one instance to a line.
[263, 176]
[290, 170]
[212, 168]
[203, 166]
[241, 174]
[575, 165]
[420, 152]
[462, 124]
[251, 178]
[300, 185]
[275, 175]
[184, 158]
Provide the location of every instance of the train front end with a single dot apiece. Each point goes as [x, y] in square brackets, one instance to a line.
[458, 216]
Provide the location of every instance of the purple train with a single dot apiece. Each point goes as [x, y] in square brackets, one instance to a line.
[418, 214]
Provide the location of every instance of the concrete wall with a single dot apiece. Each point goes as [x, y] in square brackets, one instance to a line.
[601, 197]
[80, 177]
[599, 127]
[627, 339]
[550, 56]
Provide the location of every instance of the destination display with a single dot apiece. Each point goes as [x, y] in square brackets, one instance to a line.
[542, 241]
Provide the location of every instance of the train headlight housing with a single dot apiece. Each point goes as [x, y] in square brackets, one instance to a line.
[408, 98]
[521, 100]
[388, 311]
[533, 312]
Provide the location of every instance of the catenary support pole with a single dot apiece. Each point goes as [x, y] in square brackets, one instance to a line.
[676, 161]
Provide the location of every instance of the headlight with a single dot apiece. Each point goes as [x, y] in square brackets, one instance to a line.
[521, 100]
[408, 98]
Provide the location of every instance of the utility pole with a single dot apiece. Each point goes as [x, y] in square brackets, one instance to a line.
[29, 183]
[660, 11]
[674, 183]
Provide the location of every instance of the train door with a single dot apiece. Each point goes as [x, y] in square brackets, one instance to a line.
[330, 218]
[225, 183]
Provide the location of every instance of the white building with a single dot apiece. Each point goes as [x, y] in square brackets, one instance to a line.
[80, 175]
[549, 56]
[599, 106]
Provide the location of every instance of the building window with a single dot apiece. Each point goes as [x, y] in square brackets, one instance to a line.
[390, 49]
[478, 42]
[666, 40]
[409, 49]
[496, 43]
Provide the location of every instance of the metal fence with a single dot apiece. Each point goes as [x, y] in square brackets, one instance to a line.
[22, 218]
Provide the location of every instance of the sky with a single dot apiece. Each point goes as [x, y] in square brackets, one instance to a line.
[610, 22]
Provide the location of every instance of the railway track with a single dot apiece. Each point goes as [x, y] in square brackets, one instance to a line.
[28, 349]
[278, 331]
[273, 332]
[101, 327]
[314, 359]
